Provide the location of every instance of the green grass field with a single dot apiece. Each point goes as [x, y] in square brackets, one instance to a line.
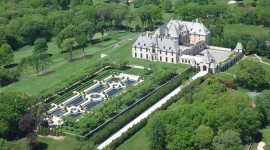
[246, 29]
[62, 69]
[45, 144]
[138, 141]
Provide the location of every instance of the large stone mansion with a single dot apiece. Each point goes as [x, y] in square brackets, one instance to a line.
[183, 42]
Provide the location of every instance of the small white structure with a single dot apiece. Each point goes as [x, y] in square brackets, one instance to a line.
[103, 55]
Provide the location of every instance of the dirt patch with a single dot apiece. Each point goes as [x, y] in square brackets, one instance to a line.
[58, 138]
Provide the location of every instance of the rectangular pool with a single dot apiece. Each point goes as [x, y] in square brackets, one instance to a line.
[129, 82]
[97, 89]
[75, 101]
[92, 104]
[114, 80]
[75, 115]
[57, 112]
[114, 91]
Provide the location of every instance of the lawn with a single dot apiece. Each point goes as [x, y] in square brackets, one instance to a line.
[257, 31]
[138, 141]
[62, 70]
[59, 67]
[46, 144]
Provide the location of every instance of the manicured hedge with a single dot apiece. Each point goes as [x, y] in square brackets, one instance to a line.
[117, 142]
[125, 118]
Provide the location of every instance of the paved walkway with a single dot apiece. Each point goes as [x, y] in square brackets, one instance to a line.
[149, 111]
[260, 59]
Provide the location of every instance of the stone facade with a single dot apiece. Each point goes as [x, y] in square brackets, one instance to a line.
[179, 42]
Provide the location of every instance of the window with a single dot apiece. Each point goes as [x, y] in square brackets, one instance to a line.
[146, 50]
[172, 60]
[135, 54]
[172, 53]
[160, 58]
[146, 56]
[166, 53]
[135, 48]
[159, 52]
[166, 59]
[141, 55]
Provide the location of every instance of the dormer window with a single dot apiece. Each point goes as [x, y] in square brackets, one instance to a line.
[169, 47]
[163, 47]
[139, 43]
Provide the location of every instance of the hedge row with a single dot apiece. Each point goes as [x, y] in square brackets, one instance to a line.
[117, 142]
[125, 118]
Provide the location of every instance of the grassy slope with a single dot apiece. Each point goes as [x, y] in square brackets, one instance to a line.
[33, 85]
[46, 144]
[246, 29]
[138, 141]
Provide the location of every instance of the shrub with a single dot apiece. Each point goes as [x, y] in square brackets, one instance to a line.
[229, 84]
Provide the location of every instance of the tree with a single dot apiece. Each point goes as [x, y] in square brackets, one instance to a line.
[203, 137]
[251, 75]
[129, 18]
[40, 45]
[82, 41]
[157, 133]
[262, 102]
[34, 61]
[27, 123]
[88, 2]
[88, 146]
[167, 5]
[23, 64]
[68, 46]
[13, 105]
[251, 46]
[6, 55]
[227, 140]
[44, 58]
[3, 144]
[100, 27]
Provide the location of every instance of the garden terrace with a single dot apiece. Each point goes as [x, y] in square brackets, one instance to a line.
[93, 96]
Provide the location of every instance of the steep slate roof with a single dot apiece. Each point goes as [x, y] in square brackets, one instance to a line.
[174, 27]
[239, 46]
[195, 27]
[174, 32]
[162, 44]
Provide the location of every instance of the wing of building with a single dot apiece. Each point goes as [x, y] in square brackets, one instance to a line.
[180, 42]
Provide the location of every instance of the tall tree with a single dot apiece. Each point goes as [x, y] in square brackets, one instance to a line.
[157, 133]
[40, 45]
[203, 137]
[82, 41]
[6, 55]
[27, 123]
[227, 140]
[68, 46]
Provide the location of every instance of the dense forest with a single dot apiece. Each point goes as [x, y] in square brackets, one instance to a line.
[215, 115]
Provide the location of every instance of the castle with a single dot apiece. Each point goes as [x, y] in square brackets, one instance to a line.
[182, 42]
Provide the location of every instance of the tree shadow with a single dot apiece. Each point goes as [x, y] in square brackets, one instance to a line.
[47, 73]
[49, 55]
[40, 146]
[87, 56]
[257, 137]
[11, 65]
